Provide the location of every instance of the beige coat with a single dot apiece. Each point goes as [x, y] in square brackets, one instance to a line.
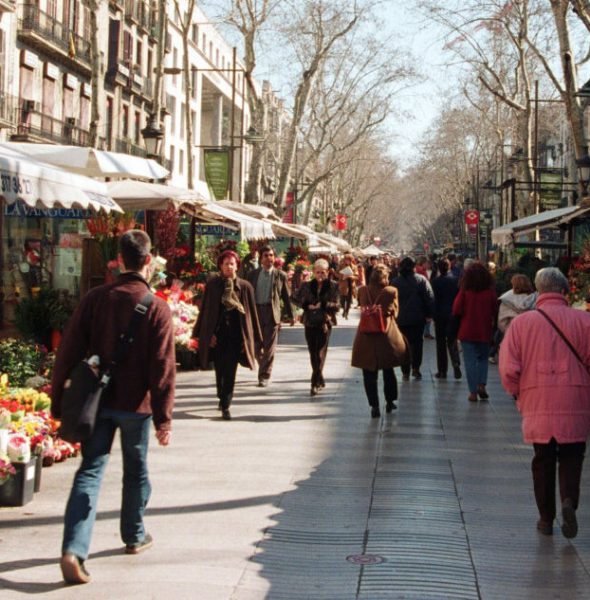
[374, 351]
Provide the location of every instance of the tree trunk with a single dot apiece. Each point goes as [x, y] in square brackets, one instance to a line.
[95, 77]
[188, 121]
[253, 188]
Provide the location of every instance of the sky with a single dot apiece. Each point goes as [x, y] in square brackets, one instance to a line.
[413, 32]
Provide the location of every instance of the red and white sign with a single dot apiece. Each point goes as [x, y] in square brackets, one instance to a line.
[340, 222]
[289, 208]
[472, 217]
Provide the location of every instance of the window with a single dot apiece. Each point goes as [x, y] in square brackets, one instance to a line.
[194, 80]
[127, 48]
[138, 54]
[204, 43]
[195, 33]
[211, 50]
[84, 113]
[172, 157]
[217, 57]
[125, 121]
[182, 121]
[181, 162]
[137, 127]
[175, 64]
[172, 115]
[109, 121]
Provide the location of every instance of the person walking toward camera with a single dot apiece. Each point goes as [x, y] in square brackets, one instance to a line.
[374, 352]
[475, 305]
[544, 363]
[319, 300]
[227, 328]
[141, 390]
[270, 288]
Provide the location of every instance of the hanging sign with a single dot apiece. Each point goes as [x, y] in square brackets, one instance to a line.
[217, 171]
[472, 216]
[340, 222]
[288, 215]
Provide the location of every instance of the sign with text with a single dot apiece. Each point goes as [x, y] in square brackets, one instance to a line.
[340, 222]
[217, 171]
[551, 190]
[289, 214]
[20, 209]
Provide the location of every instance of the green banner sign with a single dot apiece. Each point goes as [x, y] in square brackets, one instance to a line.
[551, 184]
[217, 171]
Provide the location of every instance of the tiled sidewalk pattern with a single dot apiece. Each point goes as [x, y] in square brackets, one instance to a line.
[273, 503]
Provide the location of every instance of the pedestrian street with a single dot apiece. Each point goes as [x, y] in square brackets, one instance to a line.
[301, 497]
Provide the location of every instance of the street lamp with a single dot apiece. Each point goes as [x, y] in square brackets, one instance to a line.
[152, 136]
[583, 164]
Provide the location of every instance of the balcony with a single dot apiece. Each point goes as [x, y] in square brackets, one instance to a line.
[7, 6]
[127, 146]
[8, 106]
[33, 125]
[43, 31]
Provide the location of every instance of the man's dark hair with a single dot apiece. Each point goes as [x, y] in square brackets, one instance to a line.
[134, 246]
[406, 266]
[443, 266]
[266, 248]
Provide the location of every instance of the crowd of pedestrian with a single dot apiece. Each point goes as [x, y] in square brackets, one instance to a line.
[542, 346]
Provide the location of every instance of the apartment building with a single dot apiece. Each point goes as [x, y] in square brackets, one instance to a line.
[218, 107]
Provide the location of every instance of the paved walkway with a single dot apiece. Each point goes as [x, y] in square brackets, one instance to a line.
[437, 497]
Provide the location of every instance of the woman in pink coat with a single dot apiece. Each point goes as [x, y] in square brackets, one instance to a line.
[552, 390]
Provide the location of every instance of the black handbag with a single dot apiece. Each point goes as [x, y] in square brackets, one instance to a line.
[84, 388]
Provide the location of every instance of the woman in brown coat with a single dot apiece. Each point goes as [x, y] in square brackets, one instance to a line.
[227, 327]
[374, 352]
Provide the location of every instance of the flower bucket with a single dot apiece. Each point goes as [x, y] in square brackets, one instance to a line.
[4, 434]
[38, 466]
[18, 490]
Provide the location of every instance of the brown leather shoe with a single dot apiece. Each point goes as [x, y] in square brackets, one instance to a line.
[472, 397]
[544, 527]
[72, 569]
[569, 523]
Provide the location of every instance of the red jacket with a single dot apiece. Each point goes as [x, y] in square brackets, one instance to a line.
[144, 381]
[478, 312]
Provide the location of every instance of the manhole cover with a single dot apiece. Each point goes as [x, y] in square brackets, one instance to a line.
[365, 559]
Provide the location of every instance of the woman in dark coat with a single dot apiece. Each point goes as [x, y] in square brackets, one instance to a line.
[374, 352]
[416, 305]
[227, 327]
[319, 300]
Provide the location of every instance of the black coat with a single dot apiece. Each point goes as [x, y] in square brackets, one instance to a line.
[445, 288]
[416, 299]
[328, 297]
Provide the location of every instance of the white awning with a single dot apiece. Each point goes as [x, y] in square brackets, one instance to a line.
[252, 210]
[250, 228]
[91, 162]
[371, 250]
[504, 235]
[141, 195]
[339, 243]
[41, 185]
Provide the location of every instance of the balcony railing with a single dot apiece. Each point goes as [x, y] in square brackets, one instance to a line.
[35, 123]
[128, 147]
[47, 28]
[8, 106]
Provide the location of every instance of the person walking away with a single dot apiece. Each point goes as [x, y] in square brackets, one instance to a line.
[475, 305]
[270, 289]
[549, 379]
[227, 328]
[374, 352]
[141, 390]
[347, 281]
[445, 287]
[319, 300]
[416, 305]
[371, 264]
[519, 299]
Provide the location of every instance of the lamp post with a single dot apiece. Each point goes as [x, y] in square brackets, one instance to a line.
[583, 165]
[152, 135]
[487, 220]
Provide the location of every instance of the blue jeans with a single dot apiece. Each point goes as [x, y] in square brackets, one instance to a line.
[81, 508]
[475, 357]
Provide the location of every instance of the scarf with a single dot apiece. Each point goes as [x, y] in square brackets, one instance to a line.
[230, 299]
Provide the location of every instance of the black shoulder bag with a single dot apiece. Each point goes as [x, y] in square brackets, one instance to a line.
[562, 336]
[83, 389]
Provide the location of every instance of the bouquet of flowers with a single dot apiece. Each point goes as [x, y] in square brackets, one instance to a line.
[19, 448]
[6, 469]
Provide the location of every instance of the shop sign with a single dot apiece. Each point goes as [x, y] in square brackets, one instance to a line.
[19, 209]
[340, 222]
[51, 71]
[86, 90]
[217, 171]
[551, 190]
[70, 81]
[216, 230]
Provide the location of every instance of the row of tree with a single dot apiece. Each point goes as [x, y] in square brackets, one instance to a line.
[508, 53]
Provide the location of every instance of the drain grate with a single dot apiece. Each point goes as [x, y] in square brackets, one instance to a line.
[365, 559]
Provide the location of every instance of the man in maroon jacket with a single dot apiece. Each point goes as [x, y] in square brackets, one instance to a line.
[141, 390]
